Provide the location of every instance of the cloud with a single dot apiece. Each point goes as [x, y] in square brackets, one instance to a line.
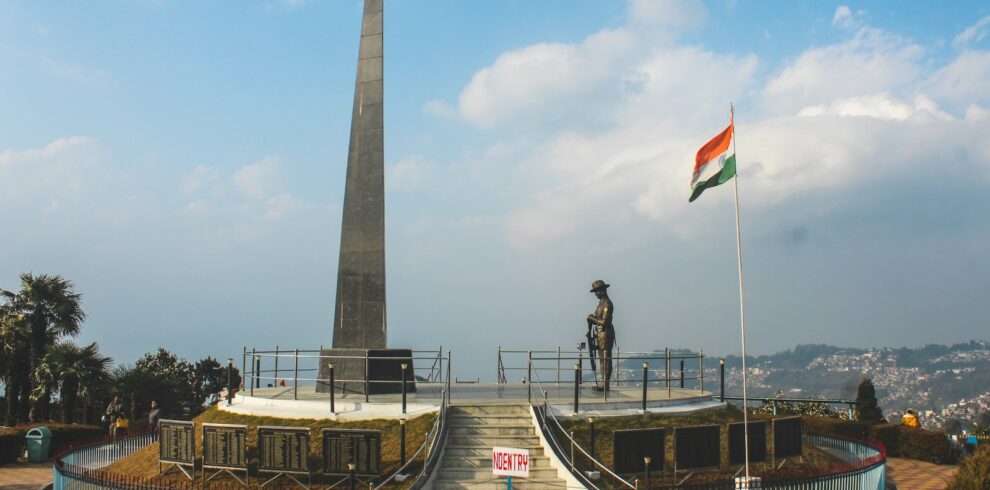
[844, 17]
[972, 34]
[679, 14]
[259, 180]
[963, 81]
[59, 147]
[410, 174]
[200, 177]
[279, 205]
[439, 108]
[872, 61]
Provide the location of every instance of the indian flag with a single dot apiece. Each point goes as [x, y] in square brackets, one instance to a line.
[715, 163]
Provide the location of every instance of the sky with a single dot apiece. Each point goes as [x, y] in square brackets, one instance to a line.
[183, 164]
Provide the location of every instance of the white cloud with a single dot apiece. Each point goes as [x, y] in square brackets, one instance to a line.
[51, 150]
[259, 180]
[973, 34]
[200, 177]
[279, 205]
[872, 61]
[674, 13]
[411, 174]
[964, 80]
[439, 108]
[846, 18]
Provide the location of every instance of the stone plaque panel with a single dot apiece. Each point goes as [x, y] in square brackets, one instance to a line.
[283, 449]
[343, 446]
[176, 442]
[225, 446]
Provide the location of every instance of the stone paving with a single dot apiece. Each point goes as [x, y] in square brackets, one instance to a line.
[25, 476]
[911, 474]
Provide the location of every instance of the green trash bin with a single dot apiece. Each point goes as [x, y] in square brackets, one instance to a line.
[39, 442]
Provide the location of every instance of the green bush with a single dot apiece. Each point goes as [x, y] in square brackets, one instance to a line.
[11, 445]
[926, 445]
[974, 473]
[900, 441]
[63, 435]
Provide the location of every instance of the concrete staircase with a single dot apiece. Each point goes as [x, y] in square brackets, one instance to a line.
[467, 456]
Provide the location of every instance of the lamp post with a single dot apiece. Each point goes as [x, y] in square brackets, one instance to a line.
[646, 468]
[230, 378]
[350, 468]
[332, 408]
[591, 434]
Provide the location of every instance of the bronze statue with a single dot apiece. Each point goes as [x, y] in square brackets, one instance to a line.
[601, 333]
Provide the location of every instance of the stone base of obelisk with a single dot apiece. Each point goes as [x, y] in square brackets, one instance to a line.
[384, 375]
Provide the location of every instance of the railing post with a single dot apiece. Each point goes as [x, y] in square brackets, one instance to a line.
[257, 360]
[295, 376]
[646, 379]
[276, 367]
[404, 366]
[230, 379]
[682, 373]
[572, 451]
[367, 382]
[333, 409]
[253, 373]
[701, 370]
[529, 377]
[402, 442]
[577, 377]
[558, 365]
[646, 471]
[580, 365]
[666, 355]
[721, 379]
[243, 366]
[591, 435]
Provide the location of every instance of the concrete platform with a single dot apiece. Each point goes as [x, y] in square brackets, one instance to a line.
[286, 402]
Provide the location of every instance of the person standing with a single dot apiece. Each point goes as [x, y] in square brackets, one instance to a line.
[153, 416]
[601, 320]
[910, 419]
[115, 410]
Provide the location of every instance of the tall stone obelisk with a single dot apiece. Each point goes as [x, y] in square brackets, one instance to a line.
[359, 323]
[359, 312]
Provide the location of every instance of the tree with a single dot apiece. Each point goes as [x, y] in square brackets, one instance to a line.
[953, 427]
[65, 369]
[131, 382]
[14, 354]
[867, 408]
[51, 309]
[211, 378]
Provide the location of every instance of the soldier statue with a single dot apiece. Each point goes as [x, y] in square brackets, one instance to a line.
[601, 334]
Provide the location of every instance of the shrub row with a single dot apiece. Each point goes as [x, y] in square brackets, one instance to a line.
[974, 473]
[900, 441]
[12, 441]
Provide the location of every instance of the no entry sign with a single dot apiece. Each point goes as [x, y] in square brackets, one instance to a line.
[509, 461]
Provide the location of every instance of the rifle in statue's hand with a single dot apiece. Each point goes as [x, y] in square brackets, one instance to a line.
[592, 346]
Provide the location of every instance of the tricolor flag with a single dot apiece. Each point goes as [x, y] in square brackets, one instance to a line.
[715, 163]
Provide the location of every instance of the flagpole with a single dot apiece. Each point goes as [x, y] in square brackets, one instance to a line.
[742, 302]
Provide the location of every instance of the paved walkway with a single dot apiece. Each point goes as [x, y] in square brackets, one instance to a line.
[911, 474]
[25, 476]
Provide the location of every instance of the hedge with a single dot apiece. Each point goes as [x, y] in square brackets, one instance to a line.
[901, 441]
[12, 440]
[974, 473]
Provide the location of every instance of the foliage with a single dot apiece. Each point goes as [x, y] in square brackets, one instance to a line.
[784, 407]
[867, 408]
[65, 369]
[974, 473]
[12, 440]
[49, 308]
[900, 441]
[211, 378]
[953, 426]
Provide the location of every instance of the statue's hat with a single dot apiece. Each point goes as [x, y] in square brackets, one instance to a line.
[598, 284]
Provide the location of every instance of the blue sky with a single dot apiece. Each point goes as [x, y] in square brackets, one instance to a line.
[183, 164]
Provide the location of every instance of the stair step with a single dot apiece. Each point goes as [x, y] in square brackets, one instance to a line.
[483, 474]
[489, 409]
[486, 440]
[492, 430]
[485, 451]
[469, 419]
[499, 484]
[486, 462]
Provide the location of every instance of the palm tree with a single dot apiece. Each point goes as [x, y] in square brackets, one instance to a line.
[65, 368]
[14, 355]
[51, 309]
[132, 381]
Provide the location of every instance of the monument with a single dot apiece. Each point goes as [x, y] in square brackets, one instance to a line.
[359, 326]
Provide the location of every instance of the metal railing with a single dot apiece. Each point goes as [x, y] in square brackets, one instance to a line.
[295, 368]
[667, 367]
[550, 426]
[82, 466]
[434, 440]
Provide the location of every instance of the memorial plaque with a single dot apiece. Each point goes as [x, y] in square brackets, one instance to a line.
[225, 446]
[630, 446]
[787, 437]
[697, 447]
[343, 446]
[283, 449]
[757, 442]
[176, 442]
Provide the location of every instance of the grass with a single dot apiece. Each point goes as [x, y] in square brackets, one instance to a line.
[604, 427]
[144, 463]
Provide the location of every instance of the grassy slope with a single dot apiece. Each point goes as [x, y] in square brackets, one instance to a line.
[604, 427]
[145, 462]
